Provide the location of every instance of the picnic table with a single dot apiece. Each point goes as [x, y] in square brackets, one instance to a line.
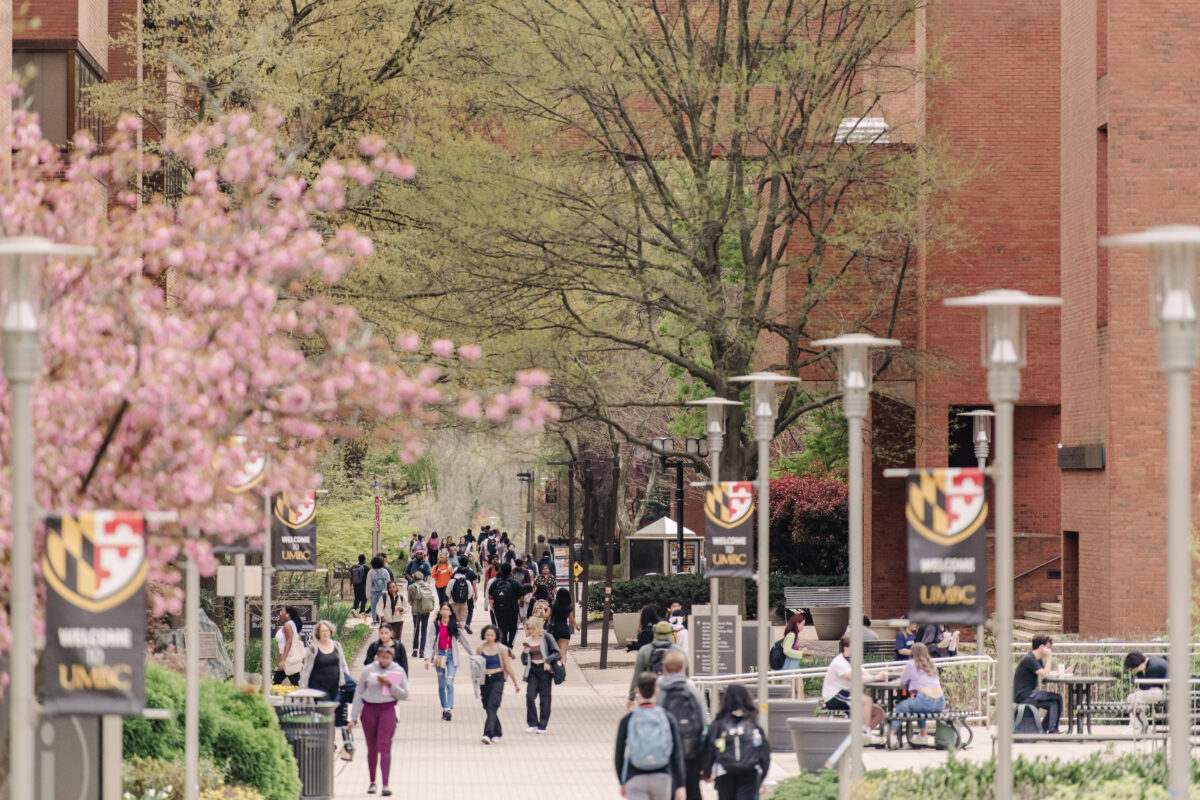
[888, 689]
[1079, 693]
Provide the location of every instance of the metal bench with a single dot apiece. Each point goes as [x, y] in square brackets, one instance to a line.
[800, 598]
[1108, 709]
[957, 719]
[879, 648]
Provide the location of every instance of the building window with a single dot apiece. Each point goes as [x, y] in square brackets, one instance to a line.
[56, 83]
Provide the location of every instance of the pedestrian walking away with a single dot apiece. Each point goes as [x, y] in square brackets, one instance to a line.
[377, 581]
[462, 589]
[380, 686]
[650, 658]
[649, 752]
[541, 657]
[390, 609]
[505, 595]
[358, 582]
[423, 602]
[562, 620]
[387, 640]
[445, 657]
[496, 666]
[289, 646]
[678, 695]
[736, 754]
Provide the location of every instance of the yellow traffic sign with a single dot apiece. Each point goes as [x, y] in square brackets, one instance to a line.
[578, 569]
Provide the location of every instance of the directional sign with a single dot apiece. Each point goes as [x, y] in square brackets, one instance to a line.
[578, 569]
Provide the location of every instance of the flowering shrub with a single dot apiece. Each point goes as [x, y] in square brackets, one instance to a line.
[808, 525]
[201, 318]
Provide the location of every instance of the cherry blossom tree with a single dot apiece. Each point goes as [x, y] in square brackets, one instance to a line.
[203, 318]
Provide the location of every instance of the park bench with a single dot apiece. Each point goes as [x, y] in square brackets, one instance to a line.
[802, 598]
[957, 720]
[879, 648]
[1111, 709]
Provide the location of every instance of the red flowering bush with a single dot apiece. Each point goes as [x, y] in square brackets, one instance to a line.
[808, 525]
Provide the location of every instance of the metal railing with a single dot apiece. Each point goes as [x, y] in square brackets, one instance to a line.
[968, 682]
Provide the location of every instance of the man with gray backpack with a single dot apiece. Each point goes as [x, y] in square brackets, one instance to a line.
[649, 753]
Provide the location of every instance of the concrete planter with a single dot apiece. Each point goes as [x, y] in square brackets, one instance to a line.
[830, 621]
[815, 738]
[625, 626]
[780, 712]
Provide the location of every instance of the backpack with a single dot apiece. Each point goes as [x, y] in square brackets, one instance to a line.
[657, 654]
[648, 740]
[460, 591]
[776, 658]
[737, 746]
[491, 546]
[358, 574]
[502, 596]
[380, 581]
[682, 704]
[426, 600]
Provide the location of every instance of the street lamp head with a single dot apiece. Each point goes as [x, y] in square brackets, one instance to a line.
[1004, 330]
[715, 409]
[981, 424]
[763, 405]
[1175, 290]
[697, 446]
[854, 359]
[20, 282]
[663, 444]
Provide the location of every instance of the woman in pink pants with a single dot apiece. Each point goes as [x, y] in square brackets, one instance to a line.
[381, 684]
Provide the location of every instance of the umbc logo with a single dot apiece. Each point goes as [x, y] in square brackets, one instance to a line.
[298, 515]
[728, 504]
[946, 506]
[95, 561]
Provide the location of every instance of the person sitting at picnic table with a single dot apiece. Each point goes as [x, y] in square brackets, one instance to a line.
[920, 679]
[905, 640]
[1152, 667]
[835, 689]
[868, 634]
[1036, 664]
[947, 643]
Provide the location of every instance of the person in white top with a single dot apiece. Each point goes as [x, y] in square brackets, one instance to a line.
[835, 690]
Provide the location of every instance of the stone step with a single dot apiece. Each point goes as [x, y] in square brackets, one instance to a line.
[1022, 636]
[1055, 607]
[1045, 616]
[1037, 626]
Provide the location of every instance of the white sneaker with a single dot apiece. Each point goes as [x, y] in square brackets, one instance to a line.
[531, 729]
[922, 740]
[542, 730]
[485, 740]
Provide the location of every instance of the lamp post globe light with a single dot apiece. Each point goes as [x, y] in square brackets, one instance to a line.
[762, 407]
[981, 436]
[1004, 354]
[854, 379]
[1174, 315]
[693, 446]
[22, 257]
[714, 427]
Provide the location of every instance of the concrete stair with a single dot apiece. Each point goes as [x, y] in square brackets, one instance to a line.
[1047, 620]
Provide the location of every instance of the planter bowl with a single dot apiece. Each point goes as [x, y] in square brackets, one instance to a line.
[815, 738]
[782, 710]
[830, 621]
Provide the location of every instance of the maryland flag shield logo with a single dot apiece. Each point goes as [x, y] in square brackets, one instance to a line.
[96, 560]
[729, 530]
[946, 506]
[294, 532]
[727, 504]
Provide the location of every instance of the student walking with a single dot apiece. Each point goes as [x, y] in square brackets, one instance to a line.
[442, 571]
[391, 609]
[496, 665]
[445, 657]
[678, 695]
[387, 641]
[290, 648]
[380, 686]
[505, 595]
[736, 754]
[423, 601]
[540, 656]
[358, 582]
[461, 591]
[793, 651]
[433, 547]
[562, 620]
[325, 670]
[377, 581]
[649, 752]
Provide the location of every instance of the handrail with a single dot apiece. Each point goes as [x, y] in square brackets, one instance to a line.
[842, 763]
[837, 754]
[1031, 569]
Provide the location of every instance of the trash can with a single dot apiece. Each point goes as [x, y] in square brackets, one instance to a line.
[306, 718]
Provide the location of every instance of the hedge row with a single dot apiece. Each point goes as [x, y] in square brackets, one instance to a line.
[630, 596]
[238, 732]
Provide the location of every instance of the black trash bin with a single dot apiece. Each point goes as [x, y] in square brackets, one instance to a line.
[307, 722]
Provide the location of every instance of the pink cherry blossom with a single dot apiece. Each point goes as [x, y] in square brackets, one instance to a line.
[470, 352]
[442, 348]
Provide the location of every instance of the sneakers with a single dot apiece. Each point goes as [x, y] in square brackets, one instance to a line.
[922, 740]
[485, 740]
[468, 629]
[541, 730]
[446, 714]
[386, 792]
[874, 739]
[531, 729]
[371, 789]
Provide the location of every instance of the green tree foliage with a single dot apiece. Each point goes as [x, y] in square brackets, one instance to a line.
[826, 450]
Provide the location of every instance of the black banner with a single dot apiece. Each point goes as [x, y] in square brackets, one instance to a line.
[729, 530]
[95, 571]
[243, 481]
[947, 556]
[294, 533]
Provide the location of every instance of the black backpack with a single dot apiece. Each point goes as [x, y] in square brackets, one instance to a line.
[460, 590]
[690, 721]
[655, 664]
[776, 658]
[358, 574]
[737, 745]
[503, 599]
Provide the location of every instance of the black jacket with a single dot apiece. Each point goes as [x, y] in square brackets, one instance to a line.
[645, 637]
[397, 648]
[675, 766]
[709, 756]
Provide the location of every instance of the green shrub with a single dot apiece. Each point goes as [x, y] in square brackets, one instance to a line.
[809, 786]
[157, 738]
[140, 776]
[334, 611]
[630, 596]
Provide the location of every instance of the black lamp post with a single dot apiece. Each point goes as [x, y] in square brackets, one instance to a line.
[696, 447]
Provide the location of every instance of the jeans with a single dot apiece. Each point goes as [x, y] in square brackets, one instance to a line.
[470, 610]
[279, 675]
[649, 786]
[360, 597]
[1052, 702]
[919, 704]
[374, 602]
[446, 679]
[420, 631]
[540, 683]
[737, 787]
[691, 778]
[379, 725]
[791, 663]
[508, 632]
[491, 694]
